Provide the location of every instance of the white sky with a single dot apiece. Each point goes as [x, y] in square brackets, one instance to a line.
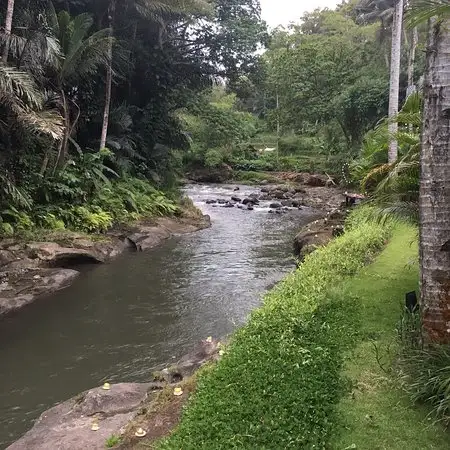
[281, 12]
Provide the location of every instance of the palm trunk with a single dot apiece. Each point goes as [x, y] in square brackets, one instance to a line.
[64, 144]
[8, 28]
[109, 73]
[435, 189]
[412, 61]
[395, 79]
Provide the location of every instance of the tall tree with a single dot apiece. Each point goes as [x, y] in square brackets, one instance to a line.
[435, 188]
[396, 47]
[80, 57]
[8, 28]
[109, 76]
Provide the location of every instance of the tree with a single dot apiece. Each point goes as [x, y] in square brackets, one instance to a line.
[109, 76]
[395, 80]
[435, 189]
[80, 57]
[390, 14]
[328, 72]
[8, 28]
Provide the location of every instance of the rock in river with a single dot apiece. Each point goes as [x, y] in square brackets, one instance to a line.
[67, 426]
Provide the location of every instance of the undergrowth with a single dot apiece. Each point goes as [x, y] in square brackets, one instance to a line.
[280, 381]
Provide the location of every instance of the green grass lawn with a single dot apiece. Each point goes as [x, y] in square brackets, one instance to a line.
[284, 381]
[377, 414]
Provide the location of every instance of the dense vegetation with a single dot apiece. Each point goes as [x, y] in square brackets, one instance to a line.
[316, 91]
[89, 101]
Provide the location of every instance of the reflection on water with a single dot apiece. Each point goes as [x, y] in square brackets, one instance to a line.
[120, 320]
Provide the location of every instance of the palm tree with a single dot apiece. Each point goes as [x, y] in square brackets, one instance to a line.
[25, 102]
[8, 28]
[435, 189]
[109, 77]
[434, 194]
[80, 57]
[396, 47]
[390, 14]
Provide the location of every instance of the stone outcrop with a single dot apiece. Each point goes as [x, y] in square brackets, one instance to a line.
[67, 426]
[124, 406]
[211, 175]
[318, 234]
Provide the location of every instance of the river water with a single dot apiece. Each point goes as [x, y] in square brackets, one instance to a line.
[119, 321]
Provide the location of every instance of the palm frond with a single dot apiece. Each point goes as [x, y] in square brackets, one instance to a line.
[421, 11]
[88, 57]
[46, 122]
[80, 27]
[19, 84]
[9, 190]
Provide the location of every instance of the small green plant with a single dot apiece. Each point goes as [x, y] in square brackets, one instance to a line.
[112, 441]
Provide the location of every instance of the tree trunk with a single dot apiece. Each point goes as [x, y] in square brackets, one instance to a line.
[435, 189]
[63, 146]
[396, 48]
[8, 29]
[109, 74]
[412, 61]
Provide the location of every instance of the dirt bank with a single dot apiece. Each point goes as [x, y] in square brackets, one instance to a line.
[29, 270]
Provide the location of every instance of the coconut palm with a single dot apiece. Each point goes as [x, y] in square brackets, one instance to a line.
[396, 47]
[82, 54]
[390, 14]
[8, 28]
[434, 198]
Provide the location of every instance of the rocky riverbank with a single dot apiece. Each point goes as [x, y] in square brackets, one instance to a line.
[120, 409]
[29, 270]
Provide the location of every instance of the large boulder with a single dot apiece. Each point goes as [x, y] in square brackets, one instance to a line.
[211, 175]
[275, 205]
[54, 255]
[318, 233]
[6, 257]
[309, 240]
[67, 426]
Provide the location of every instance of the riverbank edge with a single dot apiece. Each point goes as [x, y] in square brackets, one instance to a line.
[32, 270]
[284, 378]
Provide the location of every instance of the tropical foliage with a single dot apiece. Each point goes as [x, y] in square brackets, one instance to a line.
[68, 65]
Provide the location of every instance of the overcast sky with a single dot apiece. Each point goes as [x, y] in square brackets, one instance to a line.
[281, 12]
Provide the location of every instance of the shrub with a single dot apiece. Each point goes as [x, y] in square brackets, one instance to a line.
[214, 157]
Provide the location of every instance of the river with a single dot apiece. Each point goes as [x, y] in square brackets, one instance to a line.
[121, 320]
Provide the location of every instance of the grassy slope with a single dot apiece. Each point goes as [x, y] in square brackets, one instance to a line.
[378, 414]
[280, 384]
